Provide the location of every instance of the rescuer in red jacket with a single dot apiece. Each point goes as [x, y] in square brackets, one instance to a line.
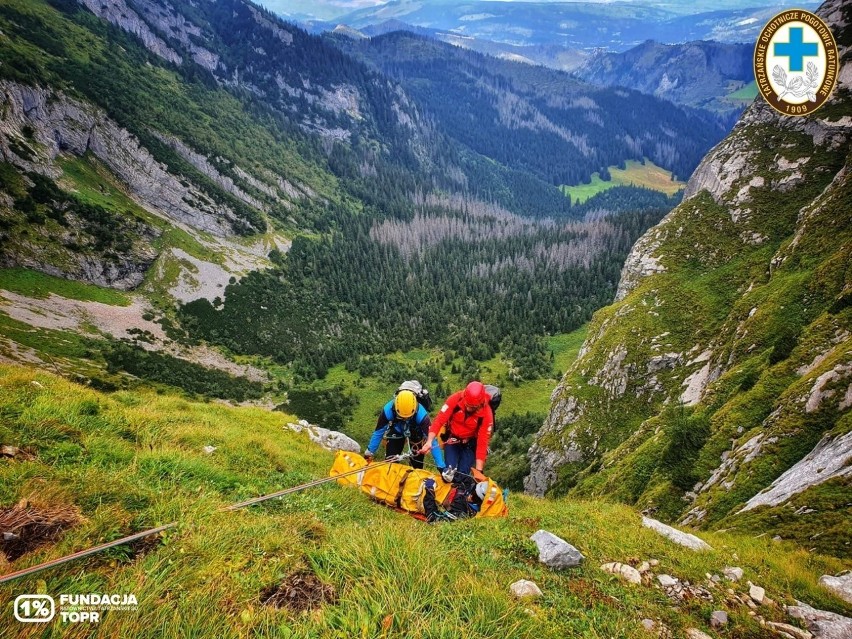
[469, 421]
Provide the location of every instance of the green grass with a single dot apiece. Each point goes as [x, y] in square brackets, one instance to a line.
[40, 285]
[53, 343]
[133, 460]
[647, 175]
[745, 94]
[94, 184]
[528, 396]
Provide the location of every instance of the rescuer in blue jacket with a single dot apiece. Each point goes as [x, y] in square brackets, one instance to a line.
[401, 418]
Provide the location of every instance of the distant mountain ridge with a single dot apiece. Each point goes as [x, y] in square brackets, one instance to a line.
[615, 26]
[225, 169]
[698, 74]
[504, 110]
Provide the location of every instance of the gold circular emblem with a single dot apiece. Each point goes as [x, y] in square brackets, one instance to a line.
[795, 62]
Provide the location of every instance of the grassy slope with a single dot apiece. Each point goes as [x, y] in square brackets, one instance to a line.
[745, 94]
[765, 319]
[134, 460]
[647, 175]
[40, 285]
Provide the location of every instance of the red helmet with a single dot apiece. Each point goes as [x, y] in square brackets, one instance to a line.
[475, 395]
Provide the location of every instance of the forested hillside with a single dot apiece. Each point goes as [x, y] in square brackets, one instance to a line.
[536, 119]
[230, 169]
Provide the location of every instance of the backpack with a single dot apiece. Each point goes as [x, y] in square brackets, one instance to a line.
[420, 392]
[495, 396]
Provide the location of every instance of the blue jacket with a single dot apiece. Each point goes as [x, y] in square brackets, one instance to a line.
[415, 428]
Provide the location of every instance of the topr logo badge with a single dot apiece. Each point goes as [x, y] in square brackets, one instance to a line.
[795, 62]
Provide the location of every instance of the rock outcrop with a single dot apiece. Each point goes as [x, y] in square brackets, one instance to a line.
[828, 460]
[62, 124]
[328, 439]
[823, 624]
[840, 585]
[727, 350]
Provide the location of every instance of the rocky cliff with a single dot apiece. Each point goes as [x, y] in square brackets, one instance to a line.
[717, 389]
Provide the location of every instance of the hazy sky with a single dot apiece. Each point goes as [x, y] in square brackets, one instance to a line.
[330, 9]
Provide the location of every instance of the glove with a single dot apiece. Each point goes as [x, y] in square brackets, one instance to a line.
[368, 457]
[448, 473]
[478, 476]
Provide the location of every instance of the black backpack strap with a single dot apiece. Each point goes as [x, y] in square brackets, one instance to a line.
[402, 481]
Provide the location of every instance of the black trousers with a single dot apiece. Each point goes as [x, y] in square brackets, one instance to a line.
[395, 446]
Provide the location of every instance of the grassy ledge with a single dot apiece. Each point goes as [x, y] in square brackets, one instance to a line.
[40, 285]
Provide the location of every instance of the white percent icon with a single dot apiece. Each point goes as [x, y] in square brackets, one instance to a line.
[34, 608]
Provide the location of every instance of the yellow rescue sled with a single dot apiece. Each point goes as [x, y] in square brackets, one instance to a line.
[402, 487]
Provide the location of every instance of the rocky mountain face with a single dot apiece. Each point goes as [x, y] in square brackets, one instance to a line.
[716, 390]
[98, 141]
[698, 74]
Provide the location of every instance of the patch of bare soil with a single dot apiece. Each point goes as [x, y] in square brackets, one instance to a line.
[25, 526]
[299, 592]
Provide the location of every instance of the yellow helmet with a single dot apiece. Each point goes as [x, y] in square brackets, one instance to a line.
[405, 404]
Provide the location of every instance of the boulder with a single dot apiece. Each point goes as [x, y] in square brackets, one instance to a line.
[524, 589]
[757, 593]
[821, 623]
[623, 571]
[554, 552]
[675, 535]
[840, 585]
[733, 574]
[719, 619]
[666, 581]
[785, 629]
[328, 439]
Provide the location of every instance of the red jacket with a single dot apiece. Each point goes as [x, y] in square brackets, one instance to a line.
[464, 425]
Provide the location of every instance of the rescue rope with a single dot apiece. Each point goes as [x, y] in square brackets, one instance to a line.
[84, 553]
[153, 531]
[311, 484]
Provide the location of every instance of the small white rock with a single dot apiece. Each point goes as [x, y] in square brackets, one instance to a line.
[733, 574]
[756, 593]
[787, 629]
[625, 572]
[677, 536]
[649, 624]
[695, 633]
[209, 450]
[524, 589]
[667, 581]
